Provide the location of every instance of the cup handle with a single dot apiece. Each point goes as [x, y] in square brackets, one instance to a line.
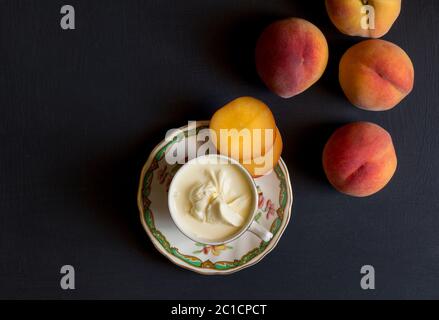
[260, 231]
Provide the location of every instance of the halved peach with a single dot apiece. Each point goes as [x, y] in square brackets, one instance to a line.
[263, 165]
[243, 129]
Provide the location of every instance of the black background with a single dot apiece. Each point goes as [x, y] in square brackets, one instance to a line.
[81, 110]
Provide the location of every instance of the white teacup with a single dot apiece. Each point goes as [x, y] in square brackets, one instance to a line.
[250, 223]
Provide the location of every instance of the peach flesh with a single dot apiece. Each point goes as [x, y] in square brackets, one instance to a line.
[240, 115]
[265, 164]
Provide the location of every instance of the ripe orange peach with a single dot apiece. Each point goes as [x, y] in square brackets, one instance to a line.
[352, 18]
[376, 75]
[291, 55]
[244, 129]
[359, 159]
[263, 165]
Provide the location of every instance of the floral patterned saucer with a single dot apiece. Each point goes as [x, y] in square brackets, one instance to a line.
[275, 201]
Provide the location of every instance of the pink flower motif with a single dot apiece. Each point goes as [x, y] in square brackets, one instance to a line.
[261, 200]
[269, 208]
[215, 250]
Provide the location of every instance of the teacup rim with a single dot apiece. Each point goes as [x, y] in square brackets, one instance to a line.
[250, 219]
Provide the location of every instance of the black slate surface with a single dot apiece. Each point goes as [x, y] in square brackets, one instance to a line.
[80, 111]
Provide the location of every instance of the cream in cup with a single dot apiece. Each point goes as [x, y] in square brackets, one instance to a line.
[213, 200]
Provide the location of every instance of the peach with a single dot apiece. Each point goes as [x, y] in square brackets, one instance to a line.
[244, 129]
[376, 75]
[291, 55]
[359, 159]
[263, 165]
[352, 18]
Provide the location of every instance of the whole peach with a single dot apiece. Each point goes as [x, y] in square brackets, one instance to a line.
[376, 75]
[291, 55]
[359, 159]
[352, 17]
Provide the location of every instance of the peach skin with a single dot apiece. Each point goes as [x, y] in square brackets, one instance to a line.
[291, 55]
[352, 18]
[359, 159]
[376, 75]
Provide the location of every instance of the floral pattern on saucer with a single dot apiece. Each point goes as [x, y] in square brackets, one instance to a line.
[275, 201]
[215, 250]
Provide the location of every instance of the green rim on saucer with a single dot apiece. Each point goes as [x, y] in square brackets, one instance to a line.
[275, 202]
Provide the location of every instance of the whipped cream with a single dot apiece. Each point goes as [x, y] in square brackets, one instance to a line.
[214, 202]
[211, 201]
